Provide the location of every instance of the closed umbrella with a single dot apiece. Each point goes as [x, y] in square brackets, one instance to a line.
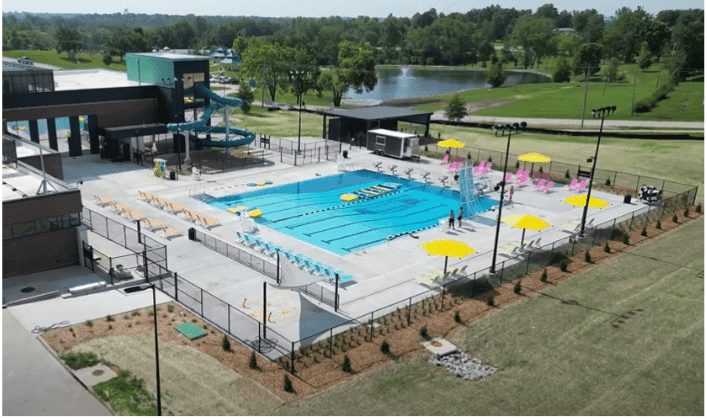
[525, 221]
[447, 248]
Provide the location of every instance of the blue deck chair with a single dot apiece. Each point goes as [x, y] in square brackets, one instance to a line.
[240, 237]
[299, 260]
[269, 247]
[344, 278]
[329, 272]
[308, 264]
[289, 254]
[319, 268]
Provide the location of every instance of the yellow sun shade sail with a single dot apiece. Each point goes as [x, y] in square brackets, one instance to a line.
[581, 200]
[451, 143]
[447, 248]
[525, 221]
[534, 157]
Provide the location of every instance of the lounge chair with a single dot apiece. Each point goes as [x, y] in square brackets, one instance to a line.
[478, 169]
[536, 176]
[103, 200]
[175, 207]
[573, 184]
[521, 180]
[319, 268]
[172, 232]
[539, 186]
[487, 168]
[345, 278]
[445, 159]
[209, 222]
[240, 238]
[508, 251]
[134, 215]
[509, 176]
[546, 177]
[153, 224]
[120, 207]
[581, 185]
[549, 186]
[308, 264]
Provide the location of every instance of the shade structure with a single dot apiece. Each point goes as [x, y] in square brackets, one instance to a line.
[447, 248]
[581, 200]
[534, 157]
[525, 221]
[451, 143]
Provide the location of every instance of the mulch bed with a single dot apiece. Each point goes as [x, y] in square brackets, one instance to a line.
[318, 367]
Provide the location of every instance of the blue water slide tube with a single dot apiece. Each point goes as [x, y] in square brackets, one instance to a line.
[217, 102]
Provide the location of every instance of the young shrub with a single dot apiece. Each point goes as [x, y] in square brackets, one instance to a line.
[457, 317]
[607, 249]
[423, 332]
[626, 239]
[126, 317]
[675, 219]
[490, 302]
[253, 363]
[89, 323]
[110, 326]
[109, 318]
[517, 164]
[698, 209]
[385, 347]
[468, 157]
[644, 233]
[687, 212]
[135, 313]
[658, 226]
[170, 308]
[490, 160]
[608, 182]
[516, 288]
[567, 174]
[563, 265]
[543, 277]
[346, 367]
[287, 386]
[226, 344]
[541, 170]
[426, 149]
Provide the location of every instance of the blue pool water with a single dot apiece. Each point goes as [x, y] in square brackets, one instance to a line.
[62, 124]
[312, 211]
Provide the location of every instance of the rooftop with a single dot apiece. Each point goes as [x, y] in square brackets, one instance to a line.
[375, 113]
[172, 56]
[91, 79]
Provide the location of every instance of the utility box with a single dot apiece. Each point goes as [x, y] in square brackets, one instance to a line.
[391, 143]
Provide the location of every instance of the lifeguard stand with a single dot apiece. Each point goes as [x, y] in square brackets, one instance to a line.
[467, 190]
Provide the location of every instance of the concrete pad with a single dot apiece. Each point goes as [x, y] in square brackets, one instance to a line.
[90, 376]
[440, 346]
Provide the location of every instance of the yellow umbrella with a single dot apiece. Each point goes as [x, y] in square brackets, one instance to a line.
[447, 248]
[525, 221]
[581, 200]
[451, 144]
[534, 157]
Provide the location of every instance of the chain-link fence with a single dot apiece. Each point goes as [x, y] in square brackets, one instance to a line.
[120, 233]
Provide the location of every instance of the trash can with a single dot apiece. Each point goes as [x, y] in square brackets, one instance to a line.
[172, 175]
[192, 234]
[627, 198]
[346, 154]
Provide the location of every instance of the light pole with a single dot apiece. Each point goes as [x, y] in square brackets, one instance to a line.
[510, 129]
[595, 113]
[299, 129]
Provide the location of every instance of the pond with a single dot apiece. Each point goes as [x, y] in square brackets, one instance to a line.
[408, 82]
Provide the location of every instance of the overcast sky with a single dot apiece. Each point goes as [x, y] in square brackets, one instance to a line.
[324, 8]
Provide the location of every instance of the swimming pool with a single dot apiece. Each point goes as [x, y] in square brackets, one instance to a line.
[62, 124]
[312, 210]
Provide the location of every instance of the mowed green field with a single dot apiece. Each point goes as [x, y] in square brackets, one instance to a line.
[559, 359]
[62, 60]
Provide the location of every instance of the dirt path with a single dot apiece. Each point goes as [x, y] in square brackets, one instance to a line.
[192, 383]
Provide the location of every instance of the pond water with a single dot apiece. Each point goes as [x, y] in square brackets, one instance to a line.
[408, 82]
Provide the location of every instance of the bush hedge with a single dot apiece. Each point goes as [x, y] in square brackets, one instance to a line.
[645, 105]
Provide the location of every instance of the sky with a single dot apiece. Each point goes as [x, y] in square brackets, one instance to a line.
[325, 8]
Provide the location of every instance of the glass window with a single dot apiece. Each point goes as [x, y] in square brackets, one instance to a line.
[65, 221]
[43, 226]
[7, 232]
[23, 229]
[54, 223]
[74, 220]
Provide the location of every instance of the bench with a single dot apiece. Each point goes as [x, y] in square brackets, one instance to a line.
[87, 287]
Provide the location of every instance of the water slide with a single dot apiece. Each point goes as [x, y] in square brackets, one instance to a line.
[243, 136]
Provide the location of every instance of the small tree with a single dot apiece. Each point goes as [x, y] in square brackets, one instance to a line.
[658, 226]
[107, 59]
[644, 57]
[456, 109]
[698, 209]
[225, 344]
[567, 174]
[587, 257]
[490, 301]
[608, 182]
[246, 95]
[562, 72]
[687, 212]
[72, 55]
[644, 233]
[457, 317]
[563, 265]
[385, 347]
[423, 332]
[253, 364]
[626, 241]
[607, 249]
[612, 71]
[516, 288]
[495, 76]
[288, 385]
[346, 367]
[675, 218]
[543, 277]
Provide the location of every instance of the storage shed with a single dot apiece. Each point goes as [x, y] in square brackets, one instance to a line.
[354, 124]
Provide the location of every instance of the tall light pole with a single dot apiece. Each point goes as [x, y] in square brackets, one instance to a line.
[510, 129]
[595, 113]
[299, 129]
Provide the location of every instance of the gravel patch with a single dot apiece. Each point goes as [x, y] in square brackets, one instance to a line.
[462, 365]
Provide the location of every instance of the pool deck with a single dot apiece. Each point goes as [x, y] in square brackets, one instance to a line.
[383, 274]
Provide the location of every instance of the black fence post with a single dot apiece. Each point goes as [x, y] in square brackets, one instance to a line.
[176, 289]
[138, 232]
[292, 358]
[331, 343]
[631, 223]
[259, 339]
[229, 319]
[202, 302]
[527, 266]
[410, 311]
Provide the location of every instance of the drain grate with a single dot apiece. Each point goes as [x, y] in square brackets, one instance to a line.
[98, 372]
[28, 289]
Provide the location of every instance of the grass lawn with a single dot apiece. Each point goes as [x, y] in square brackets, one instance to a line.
[677, 160]
[283, 123]
[634, 345]
[62, 60]
[127, 395]
[565, 100]
[310, 98]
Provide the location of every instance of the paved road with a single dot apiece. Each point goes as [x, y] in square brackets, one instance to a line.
[39, 65]
[576, 123]
[34, 383]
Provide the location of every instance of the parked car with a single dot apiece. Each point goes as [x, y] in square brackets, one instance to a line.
[25, 60]
[232, 80]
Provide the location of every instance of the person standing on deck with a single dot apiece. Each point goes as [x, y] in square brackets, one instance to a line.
[451, 219]
[460, 214]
